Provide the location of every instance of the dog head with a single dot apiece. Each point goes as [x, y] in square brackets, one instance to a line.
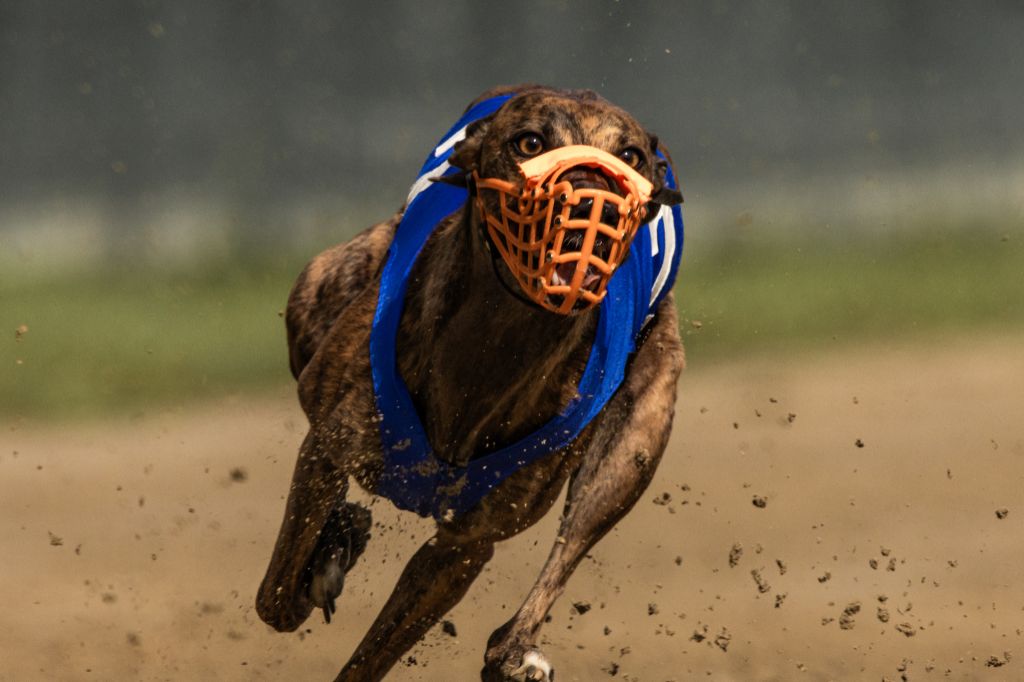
[562, 179]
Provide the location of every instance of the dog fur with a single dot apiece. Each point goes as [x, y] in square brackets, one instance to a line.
[462, 330]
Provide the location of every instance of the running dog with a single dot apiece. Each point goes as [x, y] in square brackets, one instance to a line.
[468, 357]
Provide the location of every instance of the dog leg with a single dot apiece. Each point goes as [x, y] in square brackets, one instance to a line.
[442, 570]
[616, 469]
[320, 538]
[434, 580]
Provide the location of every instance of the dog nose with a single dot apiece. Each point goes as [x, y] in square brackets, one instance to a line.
[572, 242]
[609, 213]
[582, 209]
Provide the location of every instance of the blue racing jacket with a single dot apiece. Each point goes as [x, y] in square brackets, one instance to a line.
[414, 478]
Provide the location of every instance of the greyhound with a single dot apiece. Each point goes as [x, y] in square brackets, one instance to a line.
[474, 353]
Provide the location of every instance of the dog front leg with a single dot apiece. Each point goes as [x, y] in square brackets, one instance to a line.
[316, 521]
[627, 445]
[434, 580]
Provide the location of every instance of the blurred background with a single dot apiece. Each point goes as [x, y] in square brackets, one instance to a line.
[851, 169]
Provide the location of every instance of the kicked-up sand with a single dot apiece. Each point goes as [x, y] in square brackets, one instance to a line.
[857, 515]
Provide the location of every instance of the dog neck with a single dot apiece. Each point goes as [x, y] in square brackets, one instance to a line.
[484, 367]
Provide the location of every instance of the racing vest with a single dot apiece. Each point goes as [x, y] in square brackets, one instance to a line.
[414, 478]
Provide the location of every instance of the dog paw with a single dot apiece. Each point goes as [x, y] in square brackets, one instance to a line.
[342, 541]
[328, 579]
[533, 668]
[530, 666]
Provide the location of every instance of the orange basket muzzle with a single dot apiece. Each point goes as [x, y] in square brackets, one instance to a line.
[562, 242]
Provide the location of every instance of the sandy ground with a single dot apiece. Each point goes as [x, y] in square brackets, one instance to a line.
[132, 549]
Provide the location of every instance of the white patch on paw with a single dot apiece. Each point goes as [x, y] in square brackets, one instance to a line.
[327, 582]
[535, 667]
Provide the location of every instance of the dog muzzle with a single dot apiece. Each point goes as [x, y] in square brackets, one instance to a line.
[559, 231]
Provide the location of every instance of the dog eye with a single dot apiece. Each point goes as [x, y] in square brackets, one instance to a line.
[632, 157]
[529, 144]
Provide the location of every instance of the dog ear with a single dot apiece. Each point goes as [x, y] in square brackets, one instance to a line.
[662, 194]
[466, 154]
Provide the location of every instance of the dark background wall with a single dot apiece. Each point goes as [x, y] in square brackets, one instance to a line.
[248, 106]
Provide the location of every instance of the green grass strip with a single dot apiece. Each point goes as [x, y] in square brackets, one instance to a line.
[128, 340]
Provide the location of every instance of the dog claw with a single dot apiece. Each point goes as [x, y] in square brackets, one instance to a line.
[329, 608]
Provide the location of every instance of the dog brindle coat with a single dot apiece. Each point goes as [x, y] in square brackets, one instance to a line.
[484, 369]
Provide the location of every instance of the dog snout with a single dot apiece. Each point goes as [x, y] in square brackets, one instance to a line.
[573, 243]
[582, 210]
[582, 177]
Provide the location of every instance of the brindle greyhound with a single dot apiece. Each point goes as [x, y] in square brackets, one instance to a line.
[463, 331]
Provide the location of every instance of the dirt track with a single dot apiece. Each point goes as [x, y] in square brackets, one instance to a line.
[130, 550]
